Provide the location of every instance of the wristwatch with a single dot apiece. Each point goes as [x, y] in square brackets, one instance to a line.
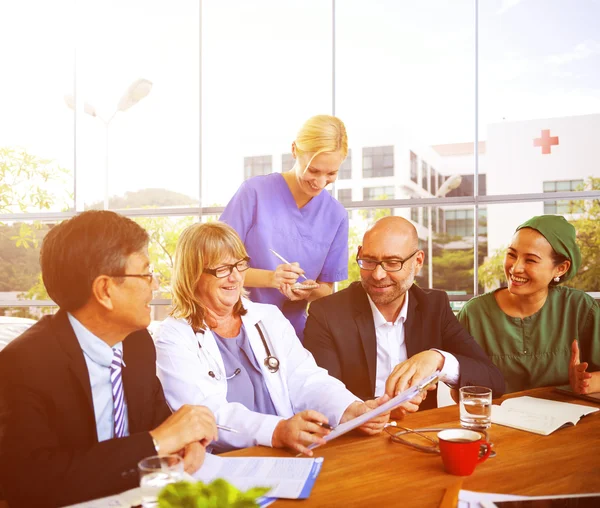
[156, 446]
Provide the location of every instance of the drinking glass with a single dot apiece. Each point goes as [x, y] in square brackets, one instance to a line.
[475, 407]
[155, 473]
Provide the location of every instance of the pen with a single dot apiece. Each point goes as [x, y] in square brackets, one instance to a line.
[286, 261]
[326, 426]
[228, 429]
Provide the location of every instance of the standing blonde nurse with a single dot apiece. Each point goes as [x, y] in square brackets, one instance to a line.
[292, 214]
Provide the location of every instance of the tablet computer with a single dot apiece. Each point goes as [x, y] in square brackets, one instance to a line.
[566, 389]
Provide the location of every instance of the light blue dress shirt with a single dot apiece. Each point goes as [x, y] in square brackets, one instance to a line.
[98, 357]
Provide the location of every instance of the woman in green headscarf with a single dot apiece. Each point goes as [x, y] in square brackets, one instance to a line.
[535, 330]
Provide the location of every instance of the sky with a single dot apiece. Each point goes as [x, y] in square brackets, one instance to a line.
[401, 67]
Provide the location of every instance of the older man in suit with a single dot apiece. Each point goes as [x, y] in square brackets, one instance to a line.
[384, 334]
[80, 403]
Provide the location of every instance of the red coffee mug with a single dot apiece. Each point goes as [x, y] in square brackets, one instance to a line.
[459, 449]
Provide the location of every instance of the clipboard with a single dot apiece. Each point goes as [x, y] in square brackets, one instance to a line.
[402, 397]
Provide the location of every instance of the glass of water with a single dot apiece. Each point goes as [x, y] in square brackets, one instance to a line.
[475, 407]
[155, 473]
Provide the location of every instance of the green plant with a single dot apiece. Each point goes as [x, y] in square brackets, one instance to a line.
[217, 494]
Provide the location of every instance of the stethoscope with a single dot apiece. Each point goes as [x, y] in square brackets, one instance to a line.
[271, 361]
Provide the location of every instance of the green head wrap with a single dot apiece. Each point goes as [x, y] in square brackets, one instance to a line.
[561, 236]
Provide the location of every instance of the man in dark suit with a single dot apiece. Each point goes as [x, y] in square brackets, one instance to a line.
[79, 405]
[384, 334]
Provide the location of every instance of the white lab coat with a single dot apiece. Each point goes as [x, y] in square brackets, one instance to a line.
[299, 383]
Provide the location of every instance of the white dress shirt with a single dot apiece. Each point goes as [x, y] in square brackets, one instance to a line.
[391, 348]
[98, 356]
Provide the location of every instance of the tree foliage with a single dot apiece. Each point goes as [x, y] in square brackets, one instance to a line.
[164, 232]
[19, 256]
[491, 271]
[29, 183]
[32, 184]
[586, 219]
[453, 270]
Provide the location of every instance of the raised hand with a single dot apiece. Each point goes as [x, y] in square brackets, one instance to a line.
[579, 378]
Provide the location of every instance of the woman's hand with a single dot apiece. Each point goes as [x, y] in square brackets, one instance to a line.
[295, 293]
[411, 406]
[300, 430]
[374, 426]
[579, 379]
[286, 273]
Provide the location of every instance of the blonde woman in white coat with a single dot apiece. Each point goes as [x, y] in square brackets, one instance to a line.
[243, 359]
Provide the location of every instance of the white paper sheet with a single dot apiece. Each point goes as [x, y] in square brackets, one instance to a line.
[402, 397]
[288, 477]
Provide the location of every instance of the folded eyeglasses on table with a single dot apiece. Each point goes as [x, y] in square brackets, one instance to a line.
[423, 442]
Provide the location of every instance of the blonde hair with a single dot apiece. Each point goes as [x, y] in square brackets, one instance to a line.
[198, 247]
[322, 133]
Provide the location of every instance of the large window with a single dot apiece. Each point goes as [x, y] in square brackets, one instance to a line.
[345, 172]
[467, 187]
[460, 222]
[344, 195]
[378, 161]
[258, 86]
[161, 109]
[371, 193]
[287, 161]
[258, 165]
[561, 206]
[414, 171]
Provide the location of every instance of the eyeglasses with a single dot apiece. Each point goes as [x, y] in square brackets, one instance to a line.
[395, 435]
[419, 440]
[150, 275]
[389, 265]
[226, 270]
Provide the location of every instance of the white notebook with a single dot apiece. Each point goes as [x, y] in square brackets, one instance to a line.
[539, 416]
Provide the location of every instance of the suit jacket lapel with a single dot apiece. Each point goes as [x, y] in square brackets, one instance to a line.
[366, 329]
[70, 345]
[413, 325]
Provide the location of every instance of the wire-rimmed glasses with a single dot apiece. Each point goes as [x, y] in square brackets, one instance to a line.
[150, 276]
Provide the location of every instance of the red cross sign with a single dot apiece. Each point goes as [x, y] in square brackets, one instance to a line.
[546, 141]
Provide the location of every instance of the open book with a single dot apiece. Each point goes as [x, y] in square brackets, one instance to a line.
[539, 416]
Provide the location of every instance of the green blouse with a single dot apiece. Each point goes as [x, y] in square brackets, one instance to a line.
[535, 351]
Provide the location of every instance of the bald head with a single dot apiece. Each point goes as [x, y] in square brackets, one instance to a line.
[397, 227]
[393, 241]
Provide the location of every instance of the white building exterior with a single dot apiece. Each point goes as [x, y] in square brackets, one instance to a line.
[522, 157]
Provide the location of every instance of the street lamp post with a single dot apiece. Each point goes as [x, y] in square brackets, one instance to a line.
[139, 89]
[450, 184]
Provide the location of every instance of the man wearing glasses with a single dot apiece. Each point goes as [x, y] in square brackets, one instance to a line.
[80, 406]
[384, 333]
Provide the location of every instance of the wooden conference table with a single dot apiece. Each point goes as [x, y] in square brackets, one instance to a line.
[363, 471]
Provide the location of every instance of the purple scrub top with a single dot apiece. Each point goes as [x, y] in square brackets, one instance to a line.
[265, 215]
